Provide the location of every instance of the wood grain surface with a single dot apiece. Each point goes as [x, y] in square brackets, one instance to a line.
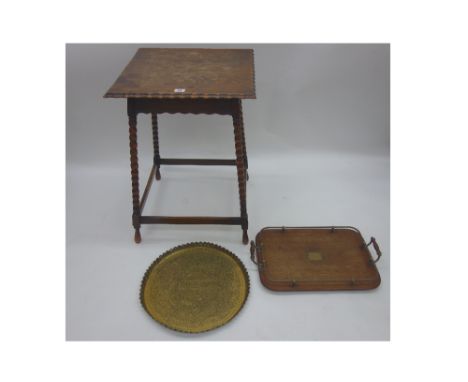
[187, 73]
[316, 258]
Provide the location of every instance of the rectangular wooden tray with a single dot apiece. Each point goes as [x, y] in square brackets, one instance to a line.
[315, 259]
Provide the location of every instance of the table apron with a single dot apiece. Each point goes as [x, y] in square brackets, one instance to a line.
[222, 106]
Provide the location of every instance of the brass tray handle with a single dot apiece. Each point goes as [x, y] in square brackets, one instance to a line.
[376, 248]
[252, 253]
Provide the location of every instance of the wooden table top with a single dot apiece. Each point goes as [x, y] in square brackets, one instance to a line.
[187, 73]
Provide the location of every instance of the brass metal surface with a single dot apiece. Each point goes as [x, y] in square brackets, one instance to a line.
[195, 287]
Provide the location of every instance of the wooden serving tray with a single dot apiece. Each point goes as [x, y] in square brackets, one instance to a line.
[315, 259]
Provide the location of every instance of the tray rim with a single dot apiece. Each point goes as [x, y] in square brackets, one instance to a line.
[284, 286]
[188, 245]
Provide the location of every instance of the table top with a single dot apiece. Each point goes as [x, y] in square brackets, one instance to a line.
[187, 73]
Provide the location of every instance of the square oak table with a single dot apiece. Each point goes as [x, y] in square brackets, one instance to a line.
[195, 81]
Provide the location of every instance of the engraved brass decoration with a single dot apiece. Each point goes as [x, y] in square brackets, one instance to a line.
[314, 256]
[195, 287]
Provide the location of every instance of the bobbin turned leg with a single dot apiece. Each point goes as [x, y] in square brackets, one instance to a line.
[156, 158]
[241, 170]
[132, 122]
[244, 148]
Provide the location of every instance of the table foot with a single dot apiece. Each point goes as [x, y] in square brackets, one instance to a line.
[137, 237]
[158, 174]
[245, 237]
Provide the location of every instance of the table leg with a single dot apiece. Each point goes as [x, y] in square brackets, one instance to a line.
[157, 158]
[132, 122]
[241, 123]
[241, 171]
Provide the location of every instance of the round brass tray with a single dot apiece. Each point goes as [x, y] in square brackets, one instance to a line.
[195, 287]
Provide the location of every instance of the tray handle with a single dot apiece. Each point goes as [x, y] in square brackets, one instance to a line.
[252, 253]
[376, 249]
